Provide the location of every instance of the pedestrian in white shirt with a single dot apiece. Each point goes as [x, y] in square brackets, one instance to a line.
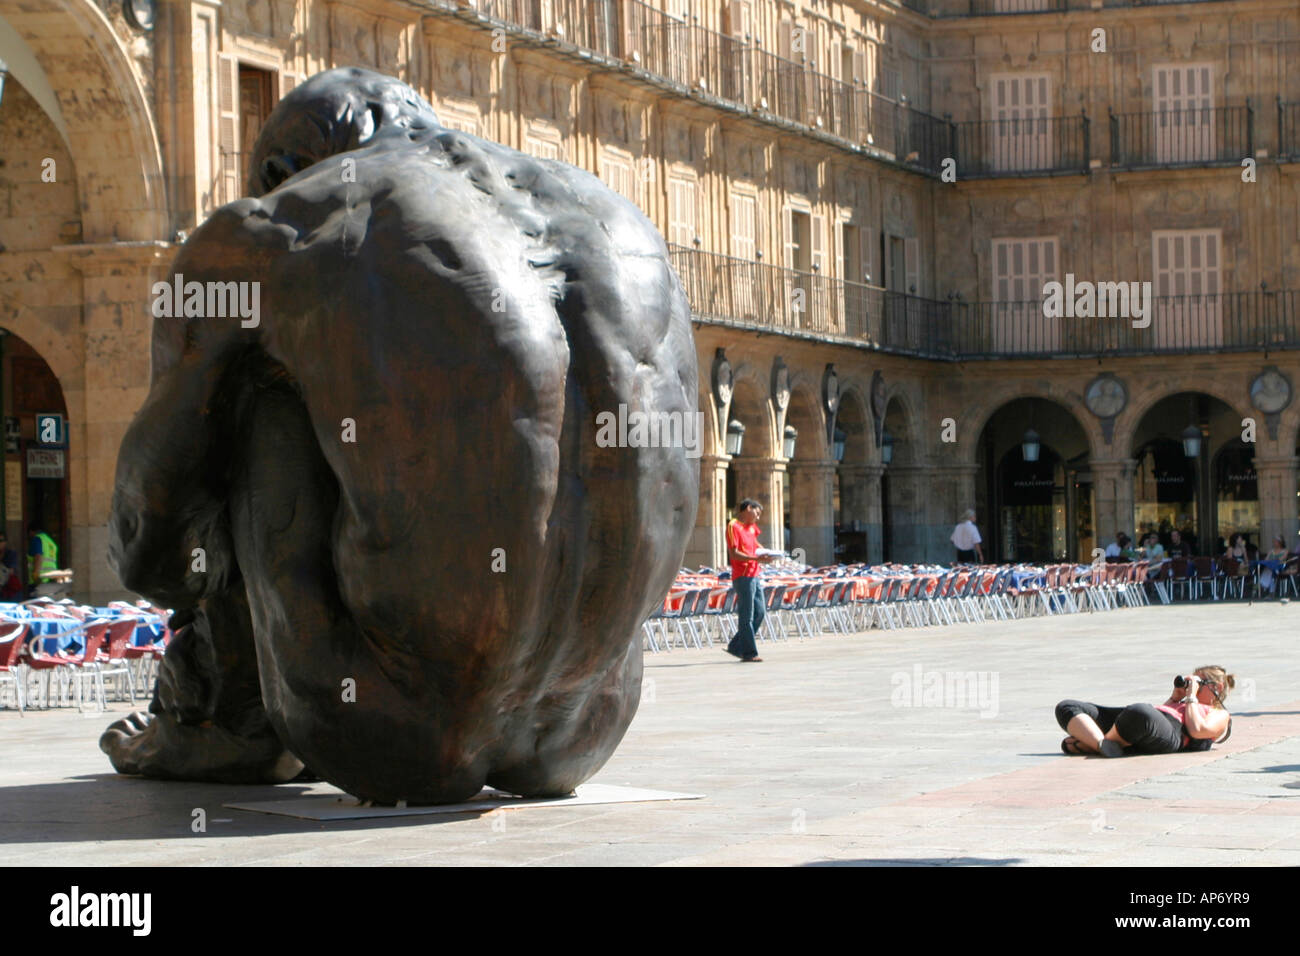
[966, 539]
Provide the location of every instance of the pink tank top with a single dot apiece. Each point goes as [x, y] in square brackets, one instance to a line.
[1179, 710]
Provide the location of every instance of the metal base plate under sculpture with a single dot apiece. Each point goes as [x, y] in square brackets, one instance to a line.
[337, 806]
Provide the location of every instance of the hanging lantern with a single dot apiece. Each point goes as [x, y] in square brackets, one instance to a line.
[735, 437]
[1030, 445]
[791, 436]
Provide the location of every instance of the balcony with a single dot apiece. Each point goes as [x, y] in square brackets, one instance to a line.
[753, 295]
[687, 58]
[1028, 146]
[982, 8]
[991, 8]
[1225, 322]
[1288, 130]
[1197, 136]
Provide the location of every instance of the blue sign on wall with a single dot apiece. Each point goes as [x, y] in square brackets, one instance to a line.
[51, 430]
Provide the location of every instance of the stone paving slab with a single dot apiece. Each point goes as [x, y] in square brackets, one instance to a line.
[828, 753]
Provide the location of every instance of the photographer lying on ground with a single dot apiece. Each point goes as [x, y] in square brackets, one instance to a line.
[1192, 718]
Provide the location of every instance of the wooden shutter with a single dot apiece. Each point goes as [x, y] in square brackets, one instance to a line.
[681, 211]
[743, 222]
[738, 18]
[1186, 262]
[818, 259]
[229, 162]
[1183, 97]
[912, 265]
[787, 236]
[1021, 267]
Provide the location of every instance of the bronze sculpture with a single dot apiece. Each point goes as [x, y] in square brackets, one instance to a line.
[398, 554]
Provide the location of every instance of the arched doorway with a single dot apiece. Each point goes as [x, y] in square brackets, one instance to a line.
[1034, 495]
[34, 483]
[1194, 472]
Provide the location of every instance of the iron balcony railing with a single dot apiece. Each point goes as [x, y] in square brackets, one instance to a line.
[1029, 145]
[1182, 137]
[753, 294]
[1288, 129]
[1223, 322]
[981, 8]
[749, 294]
[697, 58]
[986, 8]
[726, 67]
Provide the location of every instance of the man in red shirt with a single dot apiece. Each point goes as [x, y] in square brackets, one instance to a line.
[742, 552]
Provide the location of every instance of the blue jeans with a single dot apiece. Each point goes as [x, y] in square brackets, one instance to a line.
[750, 611]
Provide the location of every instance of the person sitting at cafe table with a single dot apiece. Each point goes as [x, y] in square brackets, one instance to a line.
[1155, 551]
[1277, 553]
[1116, 548]
[1178, 548]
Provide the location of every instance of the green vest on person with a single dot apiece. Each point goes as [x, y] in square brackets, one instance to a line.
[49, 554]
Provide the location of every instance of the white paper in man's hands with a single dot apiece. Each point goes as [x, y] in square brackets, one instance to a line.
[764, 552]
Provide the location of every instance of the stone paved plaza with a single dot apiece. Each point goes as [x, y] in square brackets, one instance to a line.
[803, 760]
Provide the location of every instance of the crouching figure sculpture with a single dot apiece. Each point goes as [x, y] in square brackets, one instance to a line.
[398, 555]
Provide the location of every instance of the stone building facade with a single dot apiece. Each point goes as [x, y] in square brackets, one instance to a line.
[865, 201]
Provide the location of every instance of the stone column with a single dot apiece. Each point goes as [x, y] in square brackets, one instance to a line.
[1277, 500]
[860, 502]
[708, 545]
[812, 523]
[907, 512]
[1112, 489]
[188, 103]
[116, 326]
[951, 490]
[761, 479]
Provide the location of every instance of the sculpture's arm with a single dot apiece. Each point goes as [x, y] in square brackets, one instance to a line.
[168, 531]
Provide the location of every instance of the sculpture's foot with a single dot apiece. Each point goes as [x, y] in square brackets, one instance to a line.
[161, 747]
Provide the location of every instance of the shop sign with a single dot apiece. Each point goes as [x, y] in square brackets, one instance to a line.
[45, 463]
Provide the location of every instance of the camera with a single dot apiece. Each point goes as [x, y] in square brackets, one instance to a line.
[1180, 681]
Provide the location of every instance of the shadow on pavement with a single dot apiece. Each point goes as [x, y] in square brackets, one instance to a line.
[109, 806]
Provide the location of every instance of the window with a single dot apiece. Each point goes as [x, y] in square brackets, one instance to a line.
[616, 171]
[855, 269]
[681, 211]
[1183, 120]
[1021, 268]
[748, 281]
[244, 101]
[541, 148]
[459, 117]
[805, 252]
[1186, 266]
[255, 102]
[1021, 110]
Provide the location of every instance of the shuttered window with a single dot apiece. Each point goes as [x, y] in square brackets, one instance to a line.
[1183, 121]
[681, 211]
